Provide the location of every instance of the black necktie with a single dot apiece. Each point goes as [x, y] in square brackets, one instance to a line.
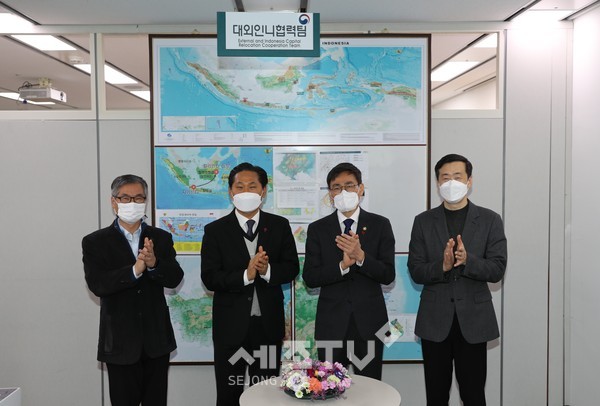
[249, 234]
[348, 226]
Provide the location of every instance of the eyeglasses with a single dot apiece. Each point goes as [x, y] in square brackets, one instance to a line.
[129, 199]
[349, 187]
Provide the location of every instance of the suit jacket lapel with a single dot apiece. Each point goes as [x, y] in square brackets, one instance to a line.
[333, 226]
[146, 232]
[362, 227]
[470, 225]
[119, 241]
[440, 225]
[264, 230]
[235, 234]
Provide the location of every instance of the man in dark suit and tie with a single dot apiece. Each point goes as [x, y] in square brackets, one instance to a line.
[455, 250]
[246, 257]
[127, 265]
[349, 255]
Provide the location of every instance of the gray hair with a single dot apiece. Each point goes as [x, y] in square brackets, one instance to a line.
[126, 180]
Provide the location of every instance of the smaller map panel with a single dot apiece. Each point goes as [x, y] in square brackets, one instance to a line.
[196, 178]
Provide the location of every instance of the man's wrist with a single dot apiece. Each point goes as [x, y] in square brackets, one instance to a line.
[247, 280]
[361, 257]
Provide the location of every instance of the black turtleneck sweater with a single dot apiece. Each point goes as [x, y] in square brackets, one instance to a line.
[455, 220]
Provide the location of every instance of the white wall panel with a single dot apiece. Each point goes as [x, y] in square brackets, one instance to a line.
[536, 107]
[585, 226]
[48, 321]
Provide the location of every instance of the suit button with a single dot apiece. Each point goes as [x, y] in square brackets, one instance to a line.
[249, 299]
[452, 300]
[140, 291]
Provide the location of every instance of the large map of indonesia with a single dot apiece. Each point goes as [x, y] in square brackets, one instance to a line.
[346, 89]
[196, 178]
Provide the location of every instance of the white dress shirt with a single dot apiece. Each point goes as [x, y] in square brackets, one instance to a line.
[242, 220]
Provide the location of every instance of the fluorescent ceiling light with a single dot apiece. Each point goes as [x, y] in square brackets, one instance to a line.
[142, 94]
[39, 103]
[44, 42]
[86, 67]
[15, 96]
[450, 70]
[10, 95]
[13, 23]
[111, 75]
[490, 41]
[117, 78]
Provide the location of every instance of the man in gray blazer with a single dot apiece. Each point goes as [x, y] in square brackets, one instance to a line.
[455, 250]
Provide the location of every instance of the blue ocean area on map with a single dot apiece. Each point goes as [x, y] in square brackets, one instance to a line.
[402, 298]
[307, 94]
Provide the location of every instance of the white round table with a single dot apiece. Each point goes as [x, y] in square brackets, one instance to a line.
[363, 392]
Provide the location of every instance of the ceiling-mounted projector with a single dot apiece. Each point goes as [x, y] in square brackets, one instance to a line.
[42, 94]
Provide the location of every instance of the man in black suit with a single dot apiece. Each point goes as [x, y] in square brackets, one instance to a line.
[455, 250]
[127, 265]
[349, 254]
[246, 257]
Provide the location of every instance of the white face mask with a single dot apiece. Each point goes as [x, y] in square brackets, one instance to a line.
[247, 201]
[346, 201]
[132, 212]
[453, 191]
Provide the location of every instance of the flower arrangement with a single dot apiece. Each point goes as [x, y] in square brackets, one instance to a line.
[315, 379]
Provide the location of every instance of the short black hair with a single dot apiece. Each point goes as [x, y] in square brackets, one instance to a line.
[247, 166]
[341, 168]
[453, 158]
[127, 180]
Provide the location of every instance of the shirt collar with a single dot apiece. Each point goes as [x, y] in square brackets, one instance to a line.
[126, 233]
[354, 216]
[242, 220]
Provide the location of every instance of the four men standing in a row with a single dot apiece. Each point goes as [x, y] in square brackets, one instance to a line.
[455, 249]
